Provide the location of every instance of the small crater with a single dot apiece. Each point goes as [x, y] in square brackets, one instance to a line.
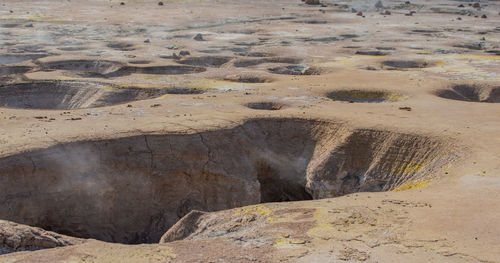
[11, 70]
[348, 36]
[6, 59]
[210, 51]
[135, 62]
[242, 63]
[426, 31]
[205, 61]
[406, 64]
[312, 22]
[296, 70]
[364, 96]
[121, 46]
[246, 78]
[372, 53]
[321, 39]
[255, 54]
[472, 93]
[255, 62]
[72, 48]
[472, 46]
[156, 70]
[494, 51]
[385, 48]
[10, 25]
[88, 67]
[266, 105]
[182, 91]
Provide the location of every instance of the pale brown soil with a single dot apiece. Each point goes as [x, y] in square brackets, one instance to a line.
[305, 133]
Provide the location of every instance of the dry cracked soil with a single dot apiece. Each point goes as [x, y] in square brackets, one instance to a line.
[249, 131]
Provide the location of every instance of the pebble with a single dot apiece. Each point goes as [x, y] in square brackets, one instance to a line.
[198, 37]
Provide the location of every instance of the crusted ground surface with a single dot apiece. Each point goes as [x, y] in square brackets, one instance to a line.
[237, 131]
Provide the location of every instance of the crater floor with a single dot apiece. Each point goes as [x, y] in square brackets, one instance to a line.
[249, 131]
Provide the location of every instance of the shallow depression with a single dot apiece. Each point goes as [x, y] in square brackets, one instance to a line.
[265, 105]
[473, 93]
[88, 67]
[75, 94]
[364, 96]
[406, 64]
[296, 70]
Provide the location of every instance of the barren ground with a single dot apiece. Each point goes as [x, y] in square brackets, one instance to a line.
[249, 131]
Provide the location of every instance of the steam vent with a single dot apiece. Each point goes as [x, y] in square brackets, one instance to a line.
[249, 131]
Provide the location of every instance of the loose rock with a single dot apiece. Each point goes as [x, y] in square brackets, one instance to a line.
[198, 37]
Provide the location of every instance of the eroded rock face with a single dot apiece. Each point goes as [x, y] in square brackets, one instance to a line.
[131, 190]
[15, 237]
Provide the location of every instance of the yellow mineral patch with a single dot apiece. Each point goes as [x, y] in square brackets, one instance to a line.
[108, 87]
[284, 242]
[446, 168]
[261, 210]
[410, 167]
[439, 63]
[417, 184]
[341, 61]
[322, 227]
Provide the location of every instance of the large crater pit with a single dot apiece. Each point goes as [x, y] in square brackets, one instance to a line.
[132, 189]
[74, 94]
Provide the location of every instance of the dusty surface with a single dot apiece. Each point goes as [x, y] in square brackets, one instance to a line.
[118, 120]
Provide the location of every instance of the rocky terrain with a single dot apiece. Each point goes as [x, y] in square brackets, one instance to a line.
[249, 131]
